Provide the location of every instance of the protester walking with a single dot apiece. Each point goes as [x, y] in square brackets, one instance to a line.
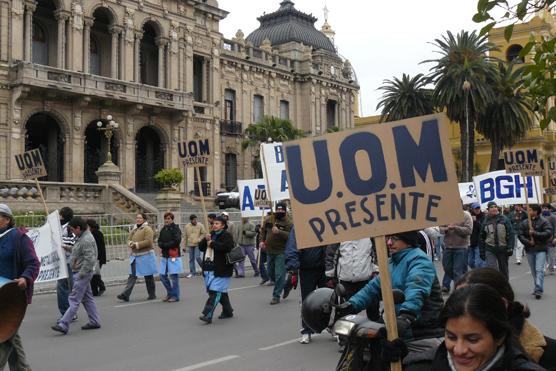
[246, 241]
[64, 285]
[18, 262]
[262, 257]
[496, 240]
[548, 213]
[274, 241]
[216, 271]
[517, 216]
[142, 259]
[194, 232]
[474, 259]
[309, 265]
[456, 241]
[97, 285]
[169, 240]
[83, 261]
[536, 239]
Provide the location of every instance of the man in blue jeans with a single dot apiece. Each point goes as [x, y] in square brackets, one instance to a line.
[474, 254]
[273, 239]
[454, 259]
[536, 239]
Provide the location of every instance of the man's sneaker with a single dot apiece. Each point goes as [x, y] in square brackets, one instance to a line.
[538, 295]
[122, 297]
[274, 301]
[190, 275]
[90, 326]
[270, 283]
[305, 339]
[59, 329]
[206, 319]
[263, 282]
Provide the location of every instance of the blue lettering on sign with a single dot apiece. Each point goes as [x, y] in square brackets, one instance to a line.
[247, 202]
[297, 178]
[279, 154]
[284, 182]
[504, 187]
[413, 157]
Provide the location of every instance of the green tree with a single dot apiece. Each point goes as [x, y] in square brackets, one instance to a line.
[461, 77]
[274, 128]
[405, 98]
[508, 117]
[540, 72]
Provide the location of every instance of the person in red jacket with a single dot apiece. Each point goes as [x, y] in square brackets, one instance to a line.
[18, 262]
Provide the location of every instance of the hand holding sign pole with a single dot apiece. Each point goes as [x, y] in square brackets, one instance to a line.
[373, 181]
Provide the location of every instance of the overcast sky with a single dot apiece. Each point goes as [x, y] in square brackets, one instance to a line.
[382, 39]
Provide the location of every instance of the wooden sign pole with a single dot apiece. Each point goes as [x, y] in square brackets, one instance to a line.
[260, 230]
[42, 197]
[527, 203]
[387, 296]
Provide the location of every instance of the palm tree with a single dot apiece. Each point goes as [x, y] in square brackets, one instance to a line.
[274, 128]
[462, 76]
[508, 117]
[405, 98]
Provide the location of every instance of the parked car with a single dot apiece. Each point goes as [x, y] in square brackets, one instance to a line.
[226, 200]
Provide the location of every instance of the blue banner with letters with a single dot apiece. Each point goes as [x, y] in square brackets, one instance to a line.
[507, 189]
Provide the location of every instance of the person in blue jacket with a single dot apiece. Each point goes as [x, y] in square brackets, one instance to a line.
[412, 272]
[309, 265]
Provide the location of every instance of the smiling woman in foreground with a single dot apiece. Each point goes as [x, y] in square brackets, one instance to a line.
[478, 335]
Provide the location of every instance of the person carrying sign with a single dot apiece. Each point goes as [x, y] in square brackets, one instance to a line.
[536, 240]
[18, 262]
[417, 317]
[274, 241]
[496, 240]
[64, 285]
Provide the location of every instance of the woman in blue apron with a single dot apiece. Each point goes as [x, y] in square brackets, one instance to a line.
[171, 266]
[216, 271]
[142, 259]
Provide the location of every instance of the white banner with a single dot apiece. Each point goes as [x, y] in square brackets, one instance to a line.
[274, 170]
[467, 193]
[506, 189]
[48, 246]
[251, 193]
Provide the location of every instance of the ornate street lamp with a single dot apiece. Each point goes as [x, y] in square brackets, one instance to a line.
[108, 133]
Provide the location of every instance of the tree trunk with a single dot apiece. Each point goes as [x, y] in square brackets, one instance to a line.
[494, 157]
[471, 163]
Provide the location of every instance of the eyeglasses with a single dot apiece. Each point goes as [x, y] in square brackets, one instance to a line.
[393, 238]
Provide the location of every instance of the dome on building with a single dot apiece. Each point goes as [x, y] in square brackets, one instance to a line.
[289, 24]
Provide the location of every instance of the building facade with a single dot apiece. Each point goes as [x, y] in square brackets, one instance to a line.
[165, 74]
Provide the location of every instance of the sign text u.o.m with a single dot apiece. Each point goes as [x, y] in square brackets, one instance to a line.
[30, 164]
[373, 181]
[195, 153]
[524, 161]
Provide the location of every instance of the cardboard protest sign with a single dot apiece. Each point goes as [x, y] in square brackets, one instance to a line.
[467, 193]
[253, 197]
[373, 181]
[48, 246]
[524, 161]
[551, 189]
[552, 166]
[506, 189]
[196, 152]
[30, 164]
[274, 170]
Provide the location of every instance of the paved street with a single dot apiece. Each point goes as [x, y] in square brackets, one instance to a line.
[149, 336]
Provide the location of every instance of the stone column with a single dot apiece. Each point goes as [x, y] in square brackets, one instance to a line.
[161, 43]
[137, 56]
[114, 53]
[29, 10]
[61, 17]
[121, 75]
[87, 43]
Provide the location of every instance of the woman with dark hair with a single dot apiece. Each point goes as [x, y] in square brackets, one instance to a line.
[530, 337]
[478, 334]
[216, 271]
[97, 285]
[142, 261]
[169, 241]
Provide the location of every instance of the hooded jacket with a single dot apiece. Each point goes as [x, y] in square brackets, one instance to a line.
[496, 235]
[350, 261]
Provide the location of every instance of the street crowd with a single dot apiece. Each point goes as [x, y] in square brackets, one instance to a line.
[469, 318]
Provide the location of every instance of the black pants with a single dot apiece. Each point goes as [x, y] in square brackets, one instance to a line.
[149, 282]
[212, 302]
[310, 280]
[97, 284]
[352, 288]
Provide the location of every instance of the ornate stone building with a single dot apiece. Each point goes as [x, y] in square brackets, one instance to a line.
[165, 73]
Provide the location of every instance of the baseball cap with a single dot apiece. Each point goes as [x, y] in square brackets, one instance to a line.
[281, 207]
[491, 204]
[475, 205]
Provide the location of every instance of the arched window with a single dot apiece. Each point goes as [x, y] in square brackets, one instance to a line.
[512, 53]
[40, 45]
[94, 59]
